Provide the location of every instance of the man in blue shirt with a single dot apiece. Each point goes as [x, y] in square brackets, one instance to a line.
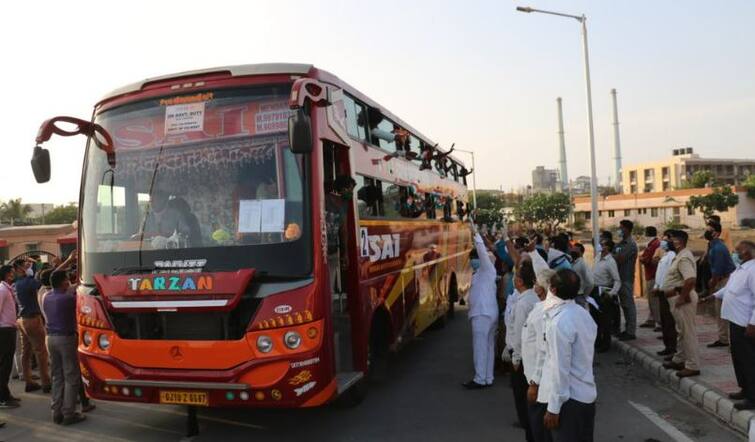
[32, 328]
[721, 266]
[60, 311]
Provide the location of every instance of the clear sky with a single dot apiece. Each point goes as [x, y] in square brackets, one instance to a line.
[476, 73]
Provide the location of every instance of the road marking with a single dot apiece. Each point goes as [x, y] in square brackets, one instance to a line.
[661, 423]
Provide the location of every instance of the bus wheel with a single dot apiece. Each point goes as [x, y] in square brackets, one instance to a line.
[377, 351]
[354, 395]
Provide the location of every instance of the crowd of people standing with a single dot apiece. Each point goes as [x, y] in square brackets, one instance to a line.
[559, 310]
[38, 326]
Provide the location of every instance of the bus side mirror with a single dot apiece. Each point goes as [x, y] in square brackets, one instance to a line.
[40, 164]
[300, 131]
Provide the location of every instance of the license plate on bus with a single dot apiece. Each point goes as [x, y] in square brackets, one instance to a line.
[184, 398]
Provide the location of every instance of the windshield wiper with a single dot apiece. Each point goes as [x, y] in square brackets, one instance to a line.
[132, 270]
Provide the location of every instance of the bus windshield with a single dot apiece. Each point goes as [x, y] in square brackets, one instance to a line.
[205, 178]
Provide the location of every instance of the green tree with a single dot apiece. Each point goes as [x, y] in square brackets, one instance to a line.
[546, 211]
[749, 184]
[489, 205]
[62, 214]
[718, 201]
[491, 200]
[14, 211]
[700, 179]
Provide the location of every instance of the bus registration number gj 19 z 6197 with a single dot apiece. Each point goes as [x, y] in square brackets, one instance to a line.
[184, 397]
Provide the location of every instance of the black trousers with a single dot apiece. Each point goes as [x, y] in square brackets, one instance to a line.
[519, 386]
[668, 324]
[604, 319]
[743, 358]
[7, 350]
[536, 414]
[576, 422]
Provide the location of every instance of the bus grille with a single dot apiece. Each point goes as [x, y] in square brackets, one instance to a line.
[189, 326]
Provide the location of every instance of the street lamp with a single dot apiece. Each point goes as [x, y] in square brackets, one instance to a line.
[591, 134]
[474, 173]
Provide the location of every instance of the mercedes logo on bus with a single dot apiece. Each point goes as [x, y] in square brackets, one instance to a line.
[176, 353]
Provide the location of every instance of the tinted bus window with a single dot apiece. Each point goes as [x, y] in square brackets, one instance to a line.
[355, 118]
[368, 197]
[382, 134]
[391, 200]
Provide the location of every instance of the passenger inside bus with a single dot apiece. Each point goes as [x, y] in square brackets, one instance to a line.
[337, 200]
[171, 220]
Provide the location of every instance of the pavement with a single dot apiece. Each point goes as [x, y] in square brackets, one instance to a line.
[709, 390]
[421, 399]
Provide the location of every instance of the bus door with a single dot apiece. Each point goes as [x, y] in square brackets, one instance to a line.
[340, 221]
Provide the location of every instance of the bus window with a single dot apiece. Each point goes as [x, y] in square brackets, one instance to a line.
[415, 147]
[355, 118]
[368, 197]
[381, 131]
[453, 173]
[392, 201]
[430, 206]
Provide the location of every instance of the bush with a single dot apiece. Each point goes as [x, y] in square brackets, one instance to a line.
[638, 229]
[579, 224]
[675, 226]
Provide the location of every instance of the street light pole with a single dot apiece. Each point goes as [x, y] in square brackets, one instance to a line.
[590, 132]
[474, 179]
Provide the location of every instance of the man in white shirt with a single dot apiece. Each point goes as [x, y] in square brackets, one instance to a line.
[483, 313]
[606, 292]
[738, 307]
[533, 354]
[524, 282]
[567, 384]
[585, 274]
[668, 324]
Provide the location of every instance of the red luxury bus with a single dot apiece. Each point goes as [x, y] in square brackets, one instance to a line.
[218, 267]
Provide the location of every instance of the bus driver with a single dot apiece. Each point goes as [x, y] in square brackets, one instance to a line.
[170, 219]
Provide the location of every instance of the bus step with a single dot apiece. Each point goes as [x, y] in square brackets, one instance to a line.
[347, 379]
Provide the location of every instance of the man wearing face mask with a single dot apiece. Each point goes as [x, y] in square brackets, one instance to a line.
[679, 288]
[606, 290]
[668, 324]
[483, 313]
[626, 257]
[524, 282]
[533, 352]
[738, 310]
[567, 383]
[32, 328]
[649, 267]
[721, 266]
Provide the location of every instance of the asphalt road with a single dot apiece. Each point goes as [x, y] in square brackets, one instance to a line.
[421, 400]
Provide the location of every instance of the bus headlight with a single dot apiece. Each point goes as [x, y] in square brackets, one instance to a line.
[292, 340]
[104, 342]
[264, 344]
[86, 338]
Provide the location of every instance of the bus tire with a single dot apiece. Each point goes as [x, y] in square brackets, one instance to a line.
[377, 349]
[354, 395]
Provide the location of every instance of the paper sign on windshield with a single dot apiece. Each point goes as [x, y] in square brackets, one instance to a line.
[250, 212]
[182, 118]
[272, 215]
